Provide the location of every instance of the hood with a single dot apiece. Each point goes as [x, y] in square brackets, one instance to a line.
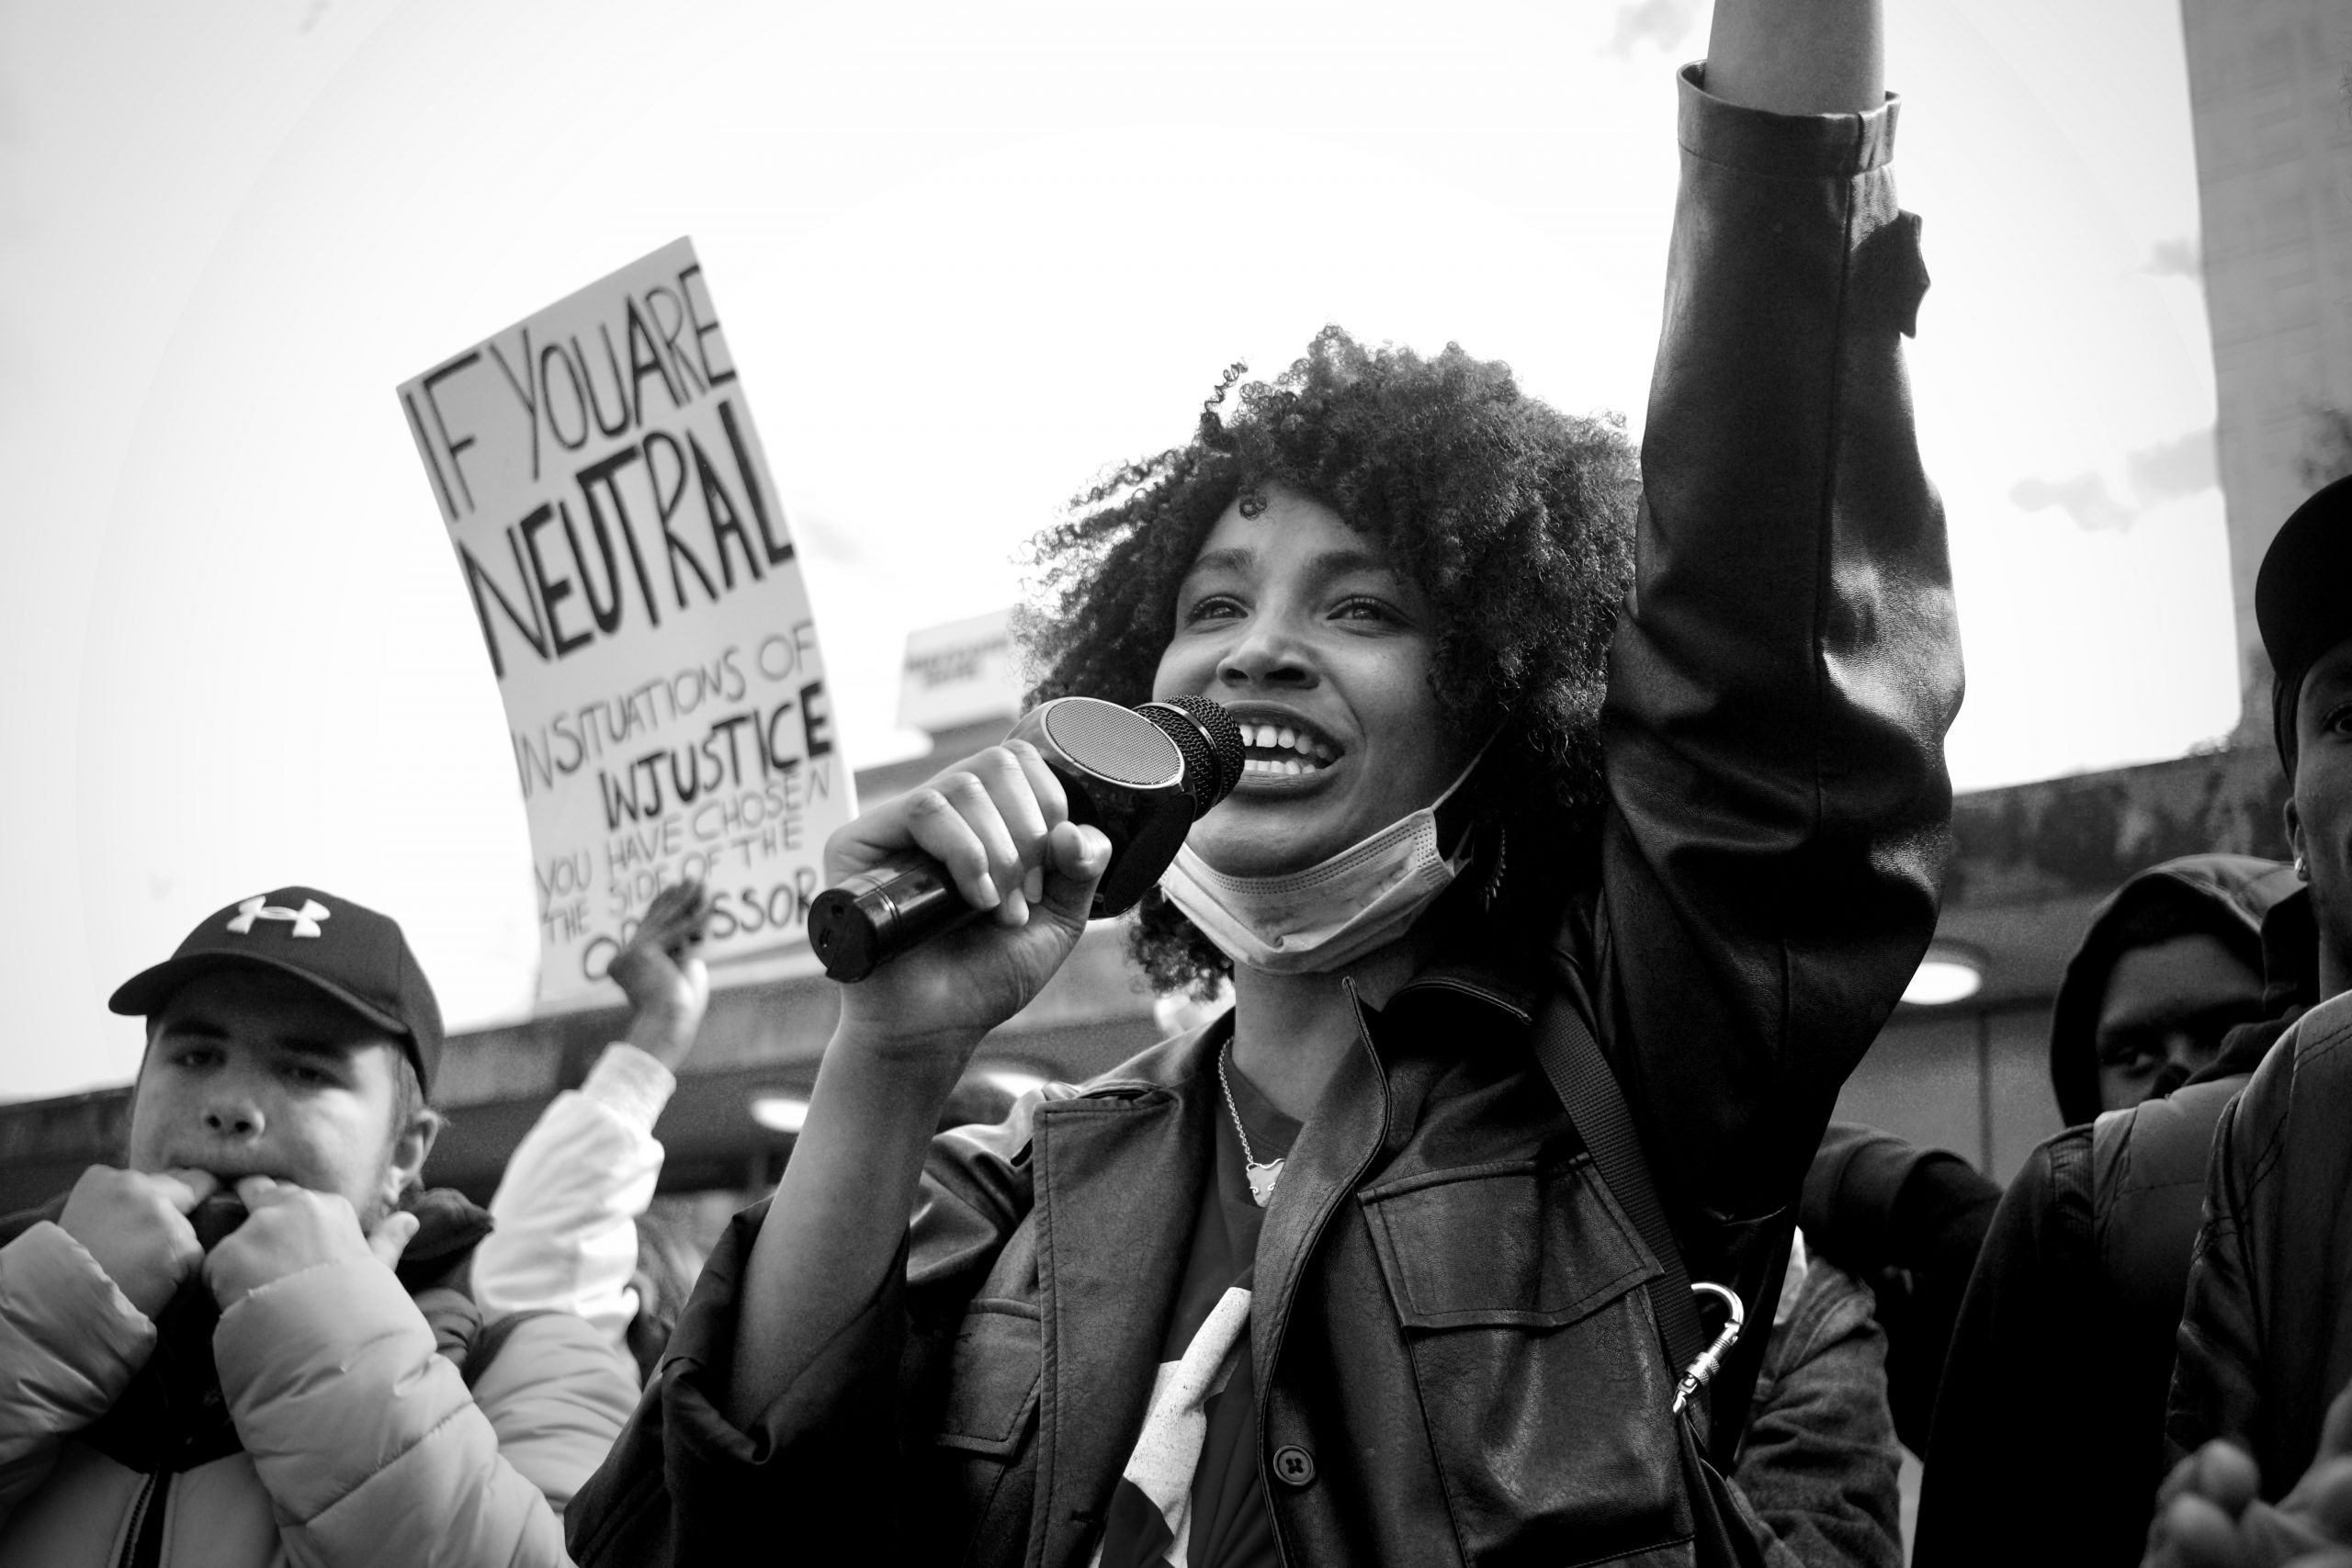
[2226, 895]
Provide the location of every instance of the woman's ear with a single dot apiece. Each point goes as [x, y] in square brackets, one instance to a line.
[2295, 835]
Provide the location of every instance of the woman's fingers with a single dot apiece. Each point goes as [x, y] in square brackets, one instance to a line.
[986, 821]
[1053, 808]
[1076, 859]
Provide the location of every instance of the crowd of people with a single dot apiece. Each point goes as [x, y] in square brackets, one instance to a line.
[1593, 817]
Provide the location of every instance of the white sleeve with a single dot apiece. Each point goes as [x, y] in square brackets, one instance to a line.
[566, 1208]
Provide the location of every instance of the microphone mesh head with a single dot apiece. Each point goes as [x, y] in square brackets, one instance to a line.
[1107, 739]
[1218, 763]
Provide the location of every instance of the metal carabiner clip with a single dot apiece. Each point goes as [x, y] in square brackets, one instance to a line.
[1711, 1360]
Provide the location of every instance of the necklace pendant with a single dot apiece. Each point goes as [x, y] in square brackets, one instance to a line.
[1261, 1179]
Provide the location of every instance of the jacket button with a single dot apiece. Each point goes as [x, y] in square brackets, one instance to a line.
[1293, 1466]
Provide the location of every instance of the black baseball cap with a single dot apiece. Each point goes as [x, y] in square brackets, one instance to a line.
[351, 952]
[2302, 598]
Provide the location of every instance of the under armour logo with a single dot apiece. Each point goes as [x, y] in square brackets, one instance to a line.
[306, 919]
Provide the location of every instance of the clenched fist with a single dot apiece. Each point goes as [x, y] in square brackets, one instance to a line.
[135, 1224]
[292, 1228]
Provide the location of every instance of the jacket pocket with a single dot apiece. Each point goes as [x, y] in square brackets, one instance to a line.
[1510, 1243]
[1517, 1285]
[994, 1373]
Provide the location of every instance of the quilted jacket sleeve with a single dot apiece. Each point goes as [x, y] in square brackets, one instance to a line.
[367, 1440]
[567, 1206]
[70, 1343]
[1784, 672]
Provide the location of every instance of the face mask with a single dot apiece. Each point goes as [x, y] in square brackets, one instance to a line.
[1322, 918]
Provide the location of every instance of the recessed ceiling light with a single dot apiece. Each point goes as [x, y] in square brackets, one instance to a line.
[1949, 974]
[779, 1112]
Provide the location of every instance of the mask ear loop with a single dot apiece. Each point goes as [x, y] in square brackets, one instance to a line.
[1455, 821]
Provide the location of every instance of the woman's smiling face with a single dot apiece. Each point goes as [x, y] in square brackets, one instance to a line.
[1294, 623]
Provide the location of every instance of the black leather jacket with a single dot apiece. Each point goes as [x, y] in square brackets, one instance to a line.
[2265, 1338]
[1451, 1322]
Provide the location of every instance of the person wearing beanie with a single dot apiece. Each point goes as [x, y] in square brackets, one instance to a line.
[2258, 1422]
[252, 1343]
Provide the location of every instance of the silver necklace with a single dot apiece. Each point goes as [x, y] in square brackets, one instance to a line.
[1262, 1174]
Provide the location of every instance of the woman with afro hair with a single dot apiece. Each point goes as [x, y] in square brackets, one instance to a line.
[1537, 731]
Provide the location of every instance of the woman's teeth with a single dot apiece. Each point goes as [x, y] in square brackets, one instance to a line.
[1278, 750]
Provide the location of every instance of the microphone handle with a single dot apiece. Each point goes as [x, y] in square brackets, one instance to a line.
[879, 914]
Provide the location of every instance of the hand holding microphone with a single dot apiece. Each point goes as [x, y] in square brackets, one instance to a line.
[1139, 777]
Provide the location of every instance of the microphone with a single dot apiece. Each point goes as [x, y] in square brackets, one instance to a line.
[1142, 775]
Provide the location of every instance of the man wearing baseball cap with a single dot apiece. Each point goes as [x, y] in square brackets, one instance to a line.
[2259, 1420]
[253, 1344]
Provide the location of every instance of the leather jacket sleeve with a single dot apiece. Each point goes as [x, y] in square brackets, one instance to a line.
[1783, 677]
[2266, 1336]
[685, 1485]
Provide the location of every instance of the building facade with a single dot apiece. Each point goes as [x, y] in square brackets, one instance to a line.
[2272, 118]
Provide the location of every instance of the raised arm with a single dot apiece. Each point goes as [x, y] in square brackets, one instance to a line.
[1798, 56]
[567, 1204]
[1788, 662]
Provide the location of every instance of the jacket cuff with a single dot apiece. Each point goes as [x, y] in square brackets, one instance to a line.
[1790, 146]
[275, 1342]
[629, 1081]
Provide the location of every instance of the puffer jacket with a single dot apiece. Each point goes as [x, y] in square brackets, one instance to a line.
[333, 1424]
[2266, 1339]
[2054, 1387]
[1451, 1335]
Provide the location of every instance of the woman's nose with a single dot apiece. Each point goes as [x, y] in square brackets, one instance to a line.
[1268, 654]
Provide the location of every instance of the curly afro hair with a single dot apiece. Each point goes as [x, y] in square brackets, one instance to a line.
[1516, 522]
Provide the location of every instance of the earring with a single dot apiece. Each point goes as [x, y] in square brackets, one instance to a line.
[2302, 871]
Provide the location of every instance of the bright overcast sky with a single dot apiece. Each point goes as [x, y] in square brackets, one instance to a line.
[966, 255]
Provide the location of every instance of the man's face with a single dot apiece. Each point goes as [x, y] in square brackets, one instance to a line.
[2167, 1008]
[250, 1072]
[2319, 812]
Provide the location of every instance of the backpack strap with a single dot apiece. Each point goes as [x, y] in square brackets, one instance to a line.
[1580, 1076]
[492, 1339]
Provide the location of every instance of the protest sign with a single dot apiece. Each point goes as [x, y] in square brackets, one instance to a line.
[637, 588]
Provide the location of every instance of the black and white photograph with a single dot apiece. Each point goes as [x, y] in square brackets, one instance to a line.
[1278, 785]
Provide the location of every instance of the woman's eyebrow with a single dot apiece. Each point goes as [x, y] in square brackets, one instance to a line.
[1235, 559]
[1340, 563]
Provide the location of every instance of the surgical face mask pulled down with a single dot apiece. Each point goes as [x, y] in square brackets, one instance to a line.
[1325, 917]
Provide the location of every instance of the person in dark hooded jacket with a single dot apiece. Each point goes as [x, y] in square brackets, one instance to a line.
[2053, 1390]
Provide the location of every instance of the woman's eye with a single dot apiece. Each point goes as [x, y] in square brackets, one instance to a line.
[1364, 609]
[1215, 608]
[2339, 720]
